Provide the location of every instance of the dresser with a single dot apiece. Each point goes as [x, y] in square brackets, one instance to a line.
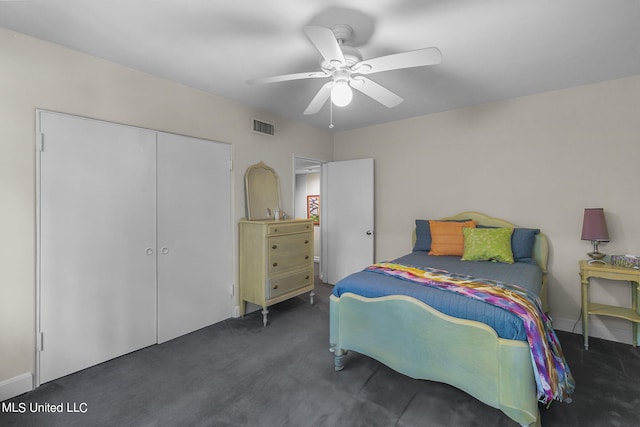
[276, 261]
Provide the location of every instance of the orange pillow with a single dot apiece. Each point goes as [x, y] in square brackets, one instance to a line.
[447, 237]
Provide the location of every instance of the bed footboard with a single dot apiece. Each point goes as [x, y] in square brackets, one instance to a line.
[420, 342]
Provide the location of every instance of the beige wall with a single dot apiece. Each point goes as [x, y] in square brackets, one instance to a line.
[36, 74]
[537, 161]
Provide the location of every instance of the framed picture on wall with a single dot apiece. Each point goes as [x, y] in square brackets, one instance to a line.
[313, 208]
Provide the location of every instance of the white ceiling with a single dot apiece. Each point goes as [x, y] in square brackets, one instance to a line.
[492, 49]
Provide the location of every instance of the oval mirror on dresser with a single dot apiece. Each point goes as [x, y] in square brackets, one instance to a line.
[262, 192]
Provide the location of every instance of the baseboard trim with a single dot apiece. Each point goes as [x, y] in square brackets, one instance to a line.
[596, 329]
[16, 386]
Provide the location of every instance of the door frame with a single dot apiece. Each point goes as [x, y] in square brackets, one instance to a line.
[319, 163]
[38, 144]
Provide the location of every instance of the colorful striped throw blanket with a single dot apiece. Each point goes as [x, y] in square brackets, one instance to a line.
[553, 377]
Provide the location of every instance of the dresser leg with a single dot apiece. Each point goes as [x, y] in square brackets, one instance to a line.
[264, 316]
[311, 295]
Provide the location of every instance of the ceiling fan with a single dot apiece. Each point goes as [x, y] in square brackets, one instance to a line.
[344, 65]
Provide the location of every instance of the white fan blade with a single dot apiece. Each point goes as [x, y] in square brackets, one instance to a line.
[325, 41]
[414, 58]
[319, 100]
[375, 91]
[287, 77]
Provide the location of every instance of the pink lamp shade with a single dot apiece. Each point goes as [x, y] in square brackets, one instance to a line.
[594, 227]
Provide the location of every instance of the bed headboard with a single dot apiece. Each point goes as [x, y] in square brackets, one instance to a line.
[540, 247]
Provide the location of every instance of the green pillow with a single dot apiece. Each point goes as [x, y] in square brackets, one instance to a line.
[487, 244]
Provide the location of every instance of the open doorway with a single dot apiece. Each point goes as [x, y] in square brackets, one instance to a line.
[307, 196]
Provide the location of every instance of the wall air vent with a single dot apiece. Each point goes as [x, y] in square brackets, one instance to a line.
[263, 128]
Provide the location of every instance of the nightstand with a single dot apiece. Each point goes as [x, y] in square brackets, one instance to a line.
[612, 273]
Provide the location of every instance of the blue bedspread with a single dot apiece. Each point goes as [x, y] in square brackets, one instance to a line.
[506, 325]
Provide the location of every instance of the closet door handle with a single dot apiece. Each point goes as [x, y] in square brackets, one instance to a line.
[164, 250]
[148, 251]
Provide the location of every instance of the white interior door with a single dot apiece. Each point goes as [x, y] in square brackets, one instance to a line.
[195, 246]
[347, 217]
[97, 239]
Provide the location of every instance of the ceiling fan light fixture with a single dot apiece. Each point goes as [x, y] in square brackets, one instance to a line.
[341, 94]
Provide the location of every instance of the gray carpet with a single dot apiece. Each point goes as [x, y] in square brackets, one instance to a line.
[237, 373]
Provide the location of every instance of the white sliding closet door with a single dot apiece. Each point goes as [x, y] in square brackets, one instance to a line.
[194, 234]
[97, 239]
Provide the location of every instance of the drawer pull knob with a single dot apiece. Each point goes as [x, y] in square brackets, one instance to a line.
[306, 278]
[275, 286]
[306, 241]
[275, 264]
[275, 230]
[306, 257]
[274, 247]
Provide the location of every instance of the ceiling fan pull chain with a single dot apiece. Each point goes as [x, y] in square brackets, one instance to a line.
[330, 115]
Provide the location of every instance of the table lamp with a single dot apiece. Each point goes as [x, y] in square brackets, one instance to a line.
[594, 228]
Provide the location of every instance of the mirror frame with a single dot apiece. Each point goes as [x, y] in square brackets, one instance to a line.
[262, 191]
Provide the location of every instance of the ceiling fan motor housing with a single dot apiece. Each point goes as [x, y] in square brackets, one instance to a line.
[343, 32]
[351, 55]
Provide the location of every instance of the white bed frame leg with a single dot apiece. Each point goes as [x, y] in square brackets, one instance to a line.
[311, 295]
[264, 316]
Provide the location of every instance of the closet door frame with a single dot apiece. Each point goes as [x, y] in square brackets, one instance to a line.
[39, 144]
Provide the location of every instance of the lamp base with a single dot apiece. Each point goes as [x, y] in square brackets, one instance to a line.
[596, 257]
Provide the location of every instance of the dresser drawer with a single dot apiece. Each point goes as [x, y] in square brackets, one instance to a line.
[285, 228]
[289, 283]
[289, 251]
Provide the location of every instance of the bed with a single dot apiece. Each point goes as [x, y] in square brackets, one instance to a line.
[437, 335]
